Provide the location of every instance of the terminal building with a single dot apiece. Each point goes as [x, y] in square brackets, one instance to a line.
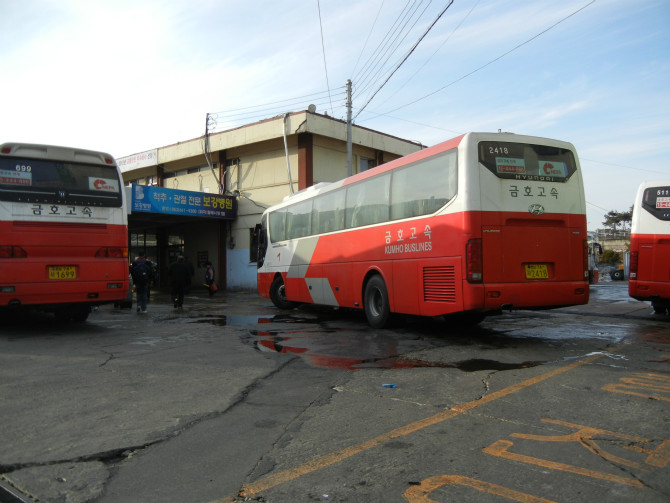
[202, 198]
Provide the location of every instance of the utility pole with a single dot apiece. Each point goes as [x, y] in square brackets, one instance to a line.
[349, 148]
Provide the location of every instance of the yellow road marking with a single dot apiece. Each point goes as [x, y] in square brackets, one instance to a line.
[327, 460]
[500, 449]
[419, 494]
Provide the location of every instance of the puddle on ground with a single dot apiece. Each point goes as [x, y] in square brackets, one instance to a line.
[350, 350]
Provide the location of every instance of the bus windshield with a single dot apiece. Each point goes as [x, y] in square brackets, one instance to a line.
[48, 181]
[656, 200]
[527, 162]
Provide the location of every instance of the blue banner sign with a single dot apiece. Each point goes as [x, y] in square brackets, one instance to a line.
[150, 199]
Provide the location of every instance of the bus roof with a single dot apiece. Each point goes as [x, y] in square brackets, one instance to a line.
[318, 188]
[68, 154]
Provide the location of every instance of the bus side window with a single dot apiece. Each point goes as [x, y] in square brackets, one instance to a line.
[278, 225]
[298, 219]
[368, 202]
[424, 187]
[328, 212]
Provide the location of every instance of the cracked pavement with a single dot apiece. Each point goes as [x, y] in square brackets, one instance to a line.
[196, 406]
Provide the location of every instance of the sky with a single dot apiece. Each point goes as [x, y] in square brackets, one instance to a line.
[126, 76]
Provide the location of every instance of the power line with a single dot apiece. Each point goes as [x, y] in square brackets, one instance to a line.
[377, 54]
[407, 55]
[278, 102]
[378, 68]
[374, 23]
[436, 51]
[323, 50]
[493, 60]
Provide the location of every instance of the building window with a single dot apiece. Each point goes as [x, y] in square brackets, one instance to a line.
[365, 163]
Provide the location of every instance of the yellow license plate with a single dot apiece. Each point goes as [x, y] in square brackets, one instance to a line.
[537, 271]
[62, 272]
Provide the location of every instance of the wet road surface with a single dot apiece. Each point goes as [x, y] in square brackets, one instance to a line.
[234, 400]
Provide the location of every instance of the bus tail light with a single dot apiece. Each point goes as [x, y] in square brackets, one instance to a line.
[634, 259]
[585, 258]
[10, 251]
[112, 252]
[473, 261]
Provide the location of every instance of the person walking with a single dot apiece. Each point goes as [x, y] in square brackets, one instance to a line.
[210, 274]
[180, 278]
[141, 272]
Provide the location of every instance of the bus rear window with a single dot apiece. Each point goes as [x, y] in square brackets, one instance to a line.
[656, 200]
[522, 161]
[37, 180]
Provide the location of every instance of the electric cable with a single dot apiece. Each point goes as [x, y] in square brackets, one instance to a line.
[323, 50]
[391, 51]
[434, 53]
[518, 46]
[377, 53]
[407, 55]
[374, 23]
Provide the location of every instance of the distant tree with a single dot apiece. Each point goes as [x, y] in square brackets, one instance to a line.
[614, 219]
[610, 257]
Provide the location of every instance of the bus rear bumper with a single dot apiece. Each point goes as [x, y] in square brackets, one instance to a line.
[540, 295]
[92, 293]
[649, 290]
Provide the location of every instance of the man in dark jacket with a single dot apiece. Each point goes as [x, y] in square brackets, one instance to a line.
[141, 270]
[180, 277]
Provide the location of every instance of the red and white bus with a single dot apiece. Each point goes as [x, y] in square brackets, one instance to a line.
[649, 277]
[63, 230]
[474, 225]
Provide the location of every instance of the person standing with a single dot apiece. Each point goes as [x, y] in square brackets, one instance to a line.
[141, 271]
[210, 274]
[180, 278]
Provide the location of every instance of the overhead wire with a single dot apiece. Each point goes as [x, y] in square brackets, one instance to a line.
[409, 53]
[278, 102]
[242, 115]
[383, 47]
[323, 50]
[379, 68]
[434, 53]
[518, 46]
[392, 50]
[367, 39]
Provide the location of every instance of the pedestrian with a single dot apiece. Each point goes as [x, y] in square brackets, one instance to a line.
[180, 278]
[141, 271]
[210, 274]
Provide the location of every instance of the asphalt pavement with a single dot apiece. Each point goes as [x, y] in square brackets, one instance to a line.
[234, 400]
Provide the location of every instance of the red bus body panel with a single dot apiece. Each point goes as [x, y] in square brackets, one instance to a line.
[410, 256]
[653, 269]
[63, 244]
[510, 241]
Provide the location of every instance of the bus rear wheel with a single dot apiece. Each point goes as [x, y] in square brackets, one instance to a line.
[660, 307]
[376, 302]
[278, 294]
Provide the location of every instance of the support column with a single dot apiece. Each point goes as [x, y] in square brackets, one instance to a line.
[305, 160]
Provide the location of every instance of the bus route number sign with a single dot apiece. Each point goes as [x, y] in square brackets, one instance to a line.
[62, 272]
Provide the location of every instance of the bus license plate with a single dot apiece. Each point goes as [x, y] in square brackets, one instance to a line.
[537, 271]
[62, 272]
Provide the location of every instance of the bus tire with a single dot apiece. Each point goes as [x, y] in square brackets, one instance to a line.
[376, 302]
[659, 308]
[465, 319]
[278, 294]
